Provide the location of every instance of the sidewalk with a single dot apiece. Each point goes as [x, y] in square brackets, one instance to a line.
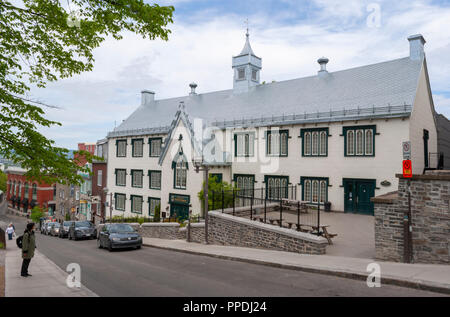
[48, 279]
[421, 276]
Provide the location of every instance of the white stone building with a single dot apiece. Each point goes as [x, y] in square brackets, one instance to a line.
[336, 135]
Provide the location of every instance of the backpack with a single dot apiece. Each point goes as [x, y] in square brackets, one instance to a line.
[19, 242]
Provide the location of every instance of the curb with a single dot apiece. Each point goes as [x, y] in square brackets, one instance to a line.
[390, 280]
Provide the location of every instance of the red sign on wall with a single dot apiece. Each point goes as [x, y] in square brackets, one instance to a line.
[407, 169]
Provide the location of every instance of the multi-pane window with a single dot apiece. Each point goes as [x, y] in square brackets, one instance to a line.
[244, 144]
[136, 178]
[138, 147]
[314, 142]
[121, 148]
[314, 189]
[359, 140]
[155, 179]
[120, 201]
[277, 143]
[153, 203]
[245, 184]
[277, 187]
[77, 195]
[72, 190]
[99, 177]
[121, 177]
[26, 191]
[180, 173]
[217, 176]
[136, 204]
[155, 146]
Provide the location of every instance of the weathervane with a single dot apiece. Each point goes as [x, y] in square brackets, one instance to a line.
[246, 22]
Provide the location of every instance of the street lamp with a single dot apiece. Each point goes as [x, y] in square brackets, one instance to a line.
[198, 163]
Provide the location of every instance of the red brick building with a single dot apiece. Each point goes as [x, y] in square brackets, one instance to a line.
[23, 194]
[88, 147]
[99, 172]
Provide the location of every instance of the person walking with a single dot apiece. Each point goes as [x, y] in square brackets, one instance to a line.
[10, 231]
[28, 246]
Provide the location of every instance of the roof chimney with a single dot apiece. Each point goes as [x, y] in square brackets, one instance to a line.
[147, 97]
[193, 86]
[416, 47]
[323, 61]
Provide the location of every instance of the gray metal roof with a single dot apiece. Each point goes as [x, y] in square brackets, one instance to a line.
[392, 83]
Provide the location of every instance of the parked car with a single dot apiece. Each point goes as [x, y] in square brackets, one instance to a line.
[47, 227]
[64, 230]
[82, 229]
[54, 229]
[118, 235]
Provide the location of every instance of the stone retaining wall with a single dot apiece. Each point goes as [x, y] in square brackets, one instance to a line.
[430, 217]
[161, 230]
[224, 229]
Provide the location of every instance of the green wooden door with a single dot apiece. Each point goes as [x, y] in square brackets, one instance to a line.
[357, 194]
[179, 211]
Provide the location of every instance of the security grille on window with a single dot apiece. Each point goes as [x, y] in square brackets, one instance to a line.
[121, 148]
[245, 143]
[314, 190]
[155, 147]
[360, 140]
[138, 148]
[120, 201]
[315, 142]
[277, 187]
[137, 177]
[245, 184]
[136, 204]
[155, 179]
[152, 204]
[277, 143]
[121, 177]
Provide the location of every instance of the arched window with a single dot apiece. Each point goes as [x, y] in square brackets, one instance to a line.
[323, 191]
[315, 143]
[34, 191]
[307, 190]
[26, 191]
[351, 142]
[307, 143]
[14, 188]
[180, 173]
[359, 142]
[369, 142]
[20, 189]
[323, 143]
[315, 191]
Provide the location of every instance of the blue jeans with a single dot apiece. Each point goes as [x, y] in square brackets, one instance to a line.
[10, 236]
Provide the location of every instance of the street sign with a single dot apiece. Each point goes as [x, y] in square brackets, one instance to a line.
[406, 146]
[407, 169]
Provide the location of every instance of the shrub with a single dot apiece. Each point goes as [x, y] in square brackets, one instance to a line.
[36, 214]
[157, 217]
[67, 217]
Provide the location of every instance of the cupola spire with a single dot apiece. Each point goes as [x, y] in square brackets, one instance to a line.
[247, 67]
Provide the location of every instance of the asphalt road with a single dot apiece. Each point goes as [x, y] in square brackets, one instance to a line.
[156, 272]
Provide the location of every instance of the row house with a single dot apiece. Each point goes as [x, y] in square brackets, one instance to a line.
[24, 194]
[336, 136]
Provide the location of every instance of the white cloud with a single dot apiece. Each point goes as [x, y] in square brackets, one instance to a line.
[202, 52]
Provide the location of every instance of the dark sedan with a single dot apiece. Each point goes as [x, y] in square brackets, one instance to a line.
[82, 229]
[64, 230]
[117, 236]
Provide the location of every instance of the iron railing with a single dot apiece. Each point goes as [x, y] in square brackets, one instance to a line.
[275, 205]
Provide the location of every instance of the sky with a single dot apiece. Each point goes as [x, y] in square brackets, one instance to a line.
[289, 36]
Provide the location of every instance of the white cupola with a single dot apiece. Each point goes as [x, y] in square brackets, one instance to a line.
[246, 67]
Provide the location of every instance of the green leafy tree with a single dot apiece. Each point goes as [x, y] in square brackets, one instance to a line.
[157, 216]
[36, 214]
[42, 41]
[67, 216]
[3, 179]
[215, 189]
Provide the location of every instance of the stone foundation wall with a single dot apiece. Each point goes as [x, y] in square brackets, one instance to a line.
[161, 230]
[430, 217]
